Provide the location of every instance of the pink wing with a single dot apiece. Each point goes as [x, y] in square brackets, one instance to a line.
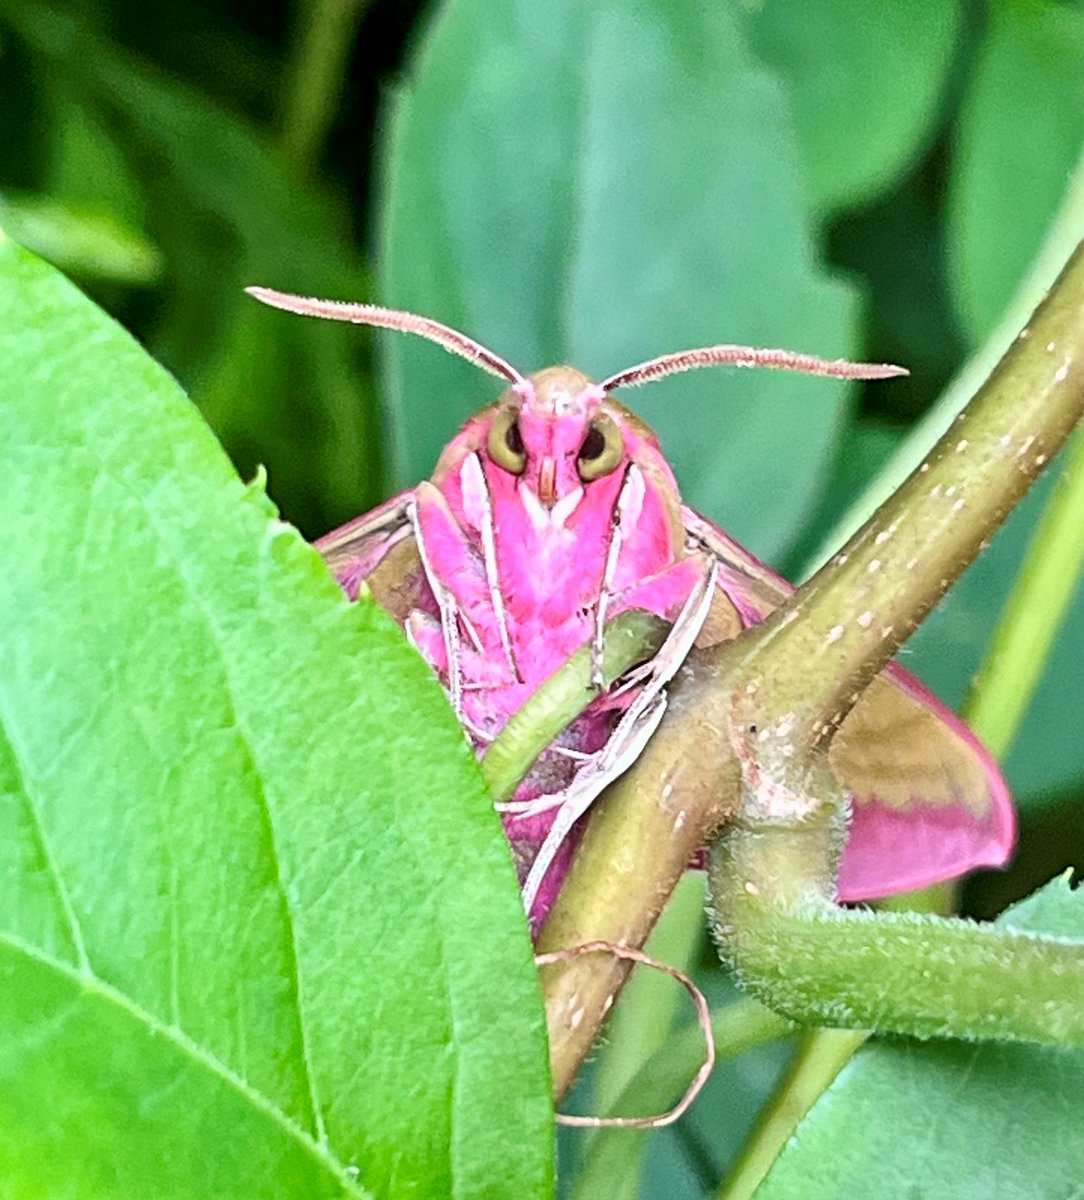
[929, 800]
[380, 550]
[354, 550]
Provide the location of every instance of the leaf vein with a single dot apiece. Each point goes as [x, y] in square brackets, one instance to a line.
[42, 843]
[90, 982]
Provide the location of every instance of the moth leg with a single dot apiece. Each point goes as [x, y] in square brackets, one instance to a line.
[628, 739]
[671, 654]
[478, 509]
[540, 804]
[651, 678]
[575, 755]
[478, 735]
[471, 631]
[659, 670]
[425, 633]
[449, 612]
[630, 502]
[633, 733]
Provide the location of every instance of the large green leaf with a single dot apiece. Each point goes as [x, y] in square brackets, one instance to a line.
[259, 930]
[597, 184]
[864, 80]
[1021, 134]
[948, 1120]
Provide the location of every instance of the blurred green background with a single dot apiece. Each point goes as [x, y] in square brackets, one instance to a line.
[594, 183]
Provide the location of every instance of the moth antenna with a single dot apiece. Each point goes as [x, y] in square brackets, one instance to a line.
[746, 356]
[392, 318]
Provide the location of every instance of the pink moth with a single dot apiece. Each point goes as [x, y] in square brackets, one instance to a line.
[554, 510]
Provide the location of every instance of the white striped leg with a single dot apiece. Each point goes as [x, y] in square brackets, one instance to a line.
[478, 509]
[628, 739]
[629, 505]
[449, 614]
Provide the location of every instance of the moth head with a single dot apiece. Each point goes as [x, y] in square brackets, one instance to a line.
[557, 430]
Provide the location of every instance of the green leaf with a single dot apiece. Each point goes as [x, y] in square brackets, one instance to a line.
[260, 934]
[948, 1120]
[1021, 134]
[227, 213]
[86, 241]
[88, 167]
[597, 184]
[865, 83]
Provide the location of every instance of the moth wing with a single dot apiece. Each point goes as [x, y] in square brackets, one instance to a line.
[380, 549]
[929, 802]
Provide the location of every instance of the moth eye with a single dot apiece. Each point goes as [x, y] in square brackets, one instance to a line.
[602, 449]
[505, 443]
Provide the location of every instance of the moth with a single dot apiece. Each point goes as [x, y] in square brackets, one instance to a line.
[554, 510]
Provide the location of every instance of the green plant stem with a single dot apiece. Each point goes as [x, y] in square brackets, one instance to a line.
[816, 962]
[1033, 614]
[822, 1054]
[856, 612]
[820, 1058]
[643, 832]
[630, 638]
[323, 37]
[772, 871]
[1012, 667]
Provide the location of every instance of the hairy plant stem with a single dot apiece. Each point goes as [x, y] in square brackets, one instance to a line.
[812, 657]
[738, 712]
[816, 962]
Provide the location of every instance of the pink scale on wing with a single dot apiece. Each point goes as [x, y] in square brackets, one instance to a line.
[917, 818]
